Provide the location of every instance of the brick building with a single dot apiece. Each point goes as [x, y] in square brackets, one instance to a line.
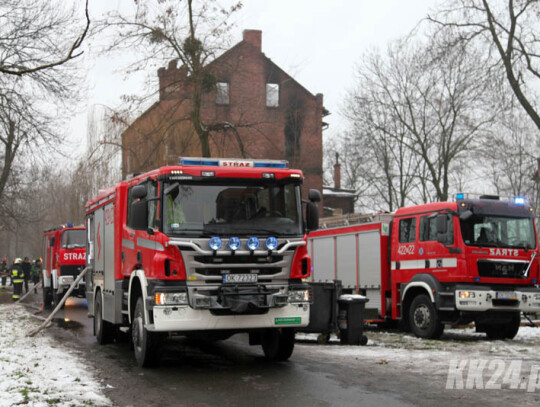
[270, 115]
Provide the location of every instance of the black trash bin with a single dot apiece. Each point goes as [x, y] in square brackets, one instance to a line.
[351, 319]
[323, 310]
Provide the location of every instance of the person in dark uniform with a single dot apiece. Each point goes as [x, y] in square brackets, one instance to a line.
[17, 278]
[27, 268]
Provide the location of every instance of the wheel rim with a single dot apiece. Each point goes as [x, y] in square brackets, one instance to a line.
[422, 317]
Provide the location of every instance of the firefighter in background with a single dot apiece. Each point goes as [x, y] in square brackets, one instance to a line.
[27, 268]
[4, 272]
[35, 273]
[17, 278]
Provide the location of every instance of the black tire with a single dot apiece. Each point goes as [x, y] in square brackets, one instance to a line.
[103, 330]
[424, 319]
[57, 298]
[512, 327]
[145, 344]
[278, 344]
[495, 331]
[503, 331]
[47, 298]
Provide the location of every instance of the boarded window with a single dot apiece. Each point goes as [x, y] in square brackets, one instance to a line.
[272, 95]
[222, 93]
[407, 230]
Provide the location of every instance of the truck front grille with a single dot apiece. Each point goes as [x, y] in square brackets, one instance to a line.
[487, 268]
[261, 271]
[71, 270]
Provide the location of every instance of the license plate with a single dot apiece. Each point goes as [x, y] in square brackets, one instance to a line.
[239, 278]
[505, 295]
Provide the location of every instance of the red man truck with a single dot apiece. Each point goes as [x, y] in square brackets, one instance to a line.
[210, 247]
[475, 259]
[64, 257]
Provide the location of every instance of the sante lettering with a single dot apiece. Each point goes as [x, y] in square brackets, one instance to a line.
[503, 252]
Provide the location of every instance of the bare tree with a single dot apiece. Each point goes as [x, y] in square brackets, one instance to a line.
[510, 157]
[36, 36]
[191, 33]
[510, 32]
[418, 112]
[38, 81]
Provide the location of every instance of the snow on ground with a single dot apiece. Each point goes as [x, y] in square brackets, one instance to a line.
[39, 371]
[404, 349]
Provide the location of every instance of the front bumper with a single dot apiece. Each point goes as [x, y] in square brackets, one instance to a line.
[65, 282]
[523, 299]
[185, 318]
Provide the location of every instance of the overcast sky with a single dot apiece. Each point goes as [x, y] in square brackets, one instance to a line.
[317, 42]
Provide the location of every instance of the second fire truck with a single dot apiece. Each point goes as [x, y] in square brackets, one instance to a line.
[64, 257]
[471, 260]
[210, 247]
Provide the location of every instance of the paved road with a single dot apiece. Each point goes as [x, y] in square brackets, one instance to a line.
[231, 373]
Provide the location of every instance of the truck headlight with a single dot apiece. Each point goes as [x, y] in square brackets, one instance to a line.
[466, 294]
[171, 299]
[299, 296]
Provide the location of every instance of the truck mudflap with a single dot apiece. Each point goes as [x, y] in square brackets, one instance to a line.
[185, 318]
[525, 299]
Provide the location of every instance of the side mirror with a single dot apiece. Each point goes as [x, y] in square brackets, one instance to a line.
[138, 192]
[314, 195]
[139, 214]
[312, 216]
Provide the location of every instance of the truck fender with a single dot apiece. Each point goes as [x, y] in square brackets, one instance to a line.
[54, 279]
[46, 279]
[139, 273]
[426, 281]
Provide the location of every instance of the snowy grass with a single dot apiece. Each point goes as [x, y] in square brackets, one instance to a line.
[39, 371]
[404, 349]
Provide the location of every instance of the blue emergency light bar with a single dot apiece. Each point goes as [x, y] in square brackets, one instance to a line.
[233, 162]
[519, 200]
[460, 195]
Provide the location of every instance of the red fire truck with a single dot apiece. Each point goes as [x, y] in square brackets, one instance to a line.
[475, 259]
[64, 249]
[210, 247]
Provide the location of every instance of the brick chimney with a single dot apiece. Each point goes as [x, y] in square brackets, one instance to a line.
[337, 173]
[253, 37]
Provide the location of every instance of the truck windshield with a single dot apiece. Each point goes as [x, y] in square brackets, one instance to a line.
[495, 231]
[203, 209]
[72, 239]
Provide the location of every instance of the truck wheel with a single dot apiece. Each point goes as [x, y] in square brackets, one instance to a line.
[278, 344]
[495, 331]
[103, 330]
[57, 298]
[47, 298]
[423, 318]
[512, 327]
[145, 344]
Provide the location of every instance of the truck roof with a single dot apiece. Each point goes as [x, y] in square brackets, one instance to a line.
[196, 171]
[426, 208]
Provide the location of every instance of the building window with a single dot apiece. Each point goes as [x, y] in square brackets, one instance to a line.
[222, 93]
[272, 95]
